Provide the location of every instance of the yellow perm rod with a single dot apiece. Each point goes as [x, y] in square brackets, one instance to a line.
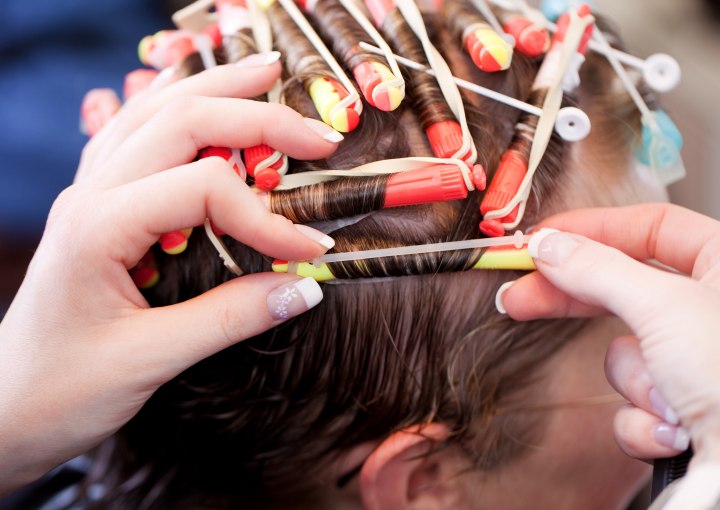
[503, 253]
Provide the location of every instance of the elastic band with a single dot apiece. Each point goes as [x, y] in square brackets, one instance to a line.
[518, 240]
[443, 75]
[492, 20]
[222, 250]
[546, 123]
[382, 167]
[472, 87]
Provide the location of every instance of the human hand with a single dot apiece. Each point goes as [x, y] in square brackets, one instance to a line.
[669, 369]
[80, 350]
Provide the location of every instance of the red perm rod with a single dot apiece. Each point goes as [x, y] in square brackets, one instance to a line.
[514, 163]
[442, 129]
[530, 39]
[436, 183]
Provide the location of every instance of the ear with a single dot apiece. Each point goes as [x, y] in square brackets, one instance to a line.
[400, 473]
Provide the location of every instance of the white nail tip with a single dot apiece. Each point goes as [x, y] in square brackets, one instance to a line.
[327, 242]
[310, 290]
[334, 137]
[272, 57]
[671, 416]
[682, 439]
[498, 297]
[534, 245]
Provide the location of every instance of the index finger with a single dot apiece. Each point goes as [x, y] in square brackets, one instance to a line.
[677, 237]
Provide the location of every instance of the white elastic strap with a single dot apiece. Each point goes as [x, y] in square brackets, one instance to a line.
[625, 79]
[195, 17]
[353, 98]
[443, 75]
[203, 44]
[518, 240]
[546, 123]
[487, 13]
[382, 167]
[232, 19]
[464, 84]
[378, 39]
[222, 250]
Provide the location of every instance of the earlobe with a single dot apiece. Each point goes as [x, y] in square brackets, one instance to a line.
[400, 471]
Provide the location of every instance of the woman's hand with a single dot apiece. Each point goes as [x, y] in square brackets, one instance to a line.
[80, 350]
[670, 369]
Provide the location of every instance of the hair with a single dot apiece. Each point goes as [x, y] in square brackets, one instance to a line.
[258, 423]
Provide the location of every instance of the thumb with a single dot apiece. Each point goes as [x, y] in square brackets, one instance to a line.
[646, 298]
[173, 338]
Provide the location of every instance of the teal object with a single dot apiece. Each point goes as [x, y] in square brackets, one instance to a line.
[660, 149]
[553, 9]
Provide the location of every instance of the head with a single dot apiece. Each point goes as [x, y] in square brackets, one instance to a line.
[405, 388]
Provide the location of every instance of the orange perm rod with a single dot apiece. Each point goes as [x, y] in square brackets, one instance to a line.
[98, 107]
[145, 273]
[513, 166]
[444, 134]
[342, 30]
[531, 40]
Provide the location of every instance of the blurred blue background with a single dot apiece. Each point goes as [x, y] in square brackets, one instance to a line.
[51, 53]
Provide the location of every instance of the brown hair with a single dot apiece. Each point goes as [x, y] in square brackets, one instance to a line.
[258, 423]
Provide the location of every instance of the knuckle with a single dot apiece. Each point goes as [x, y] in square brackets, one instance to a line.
[181, 108]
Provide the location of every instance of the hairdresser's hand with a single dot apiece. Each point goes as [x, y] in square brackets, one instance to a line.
[670, 369]
[80, 351]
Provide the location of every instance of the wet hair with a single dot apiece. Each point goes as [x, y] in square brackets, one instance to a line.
[257, 425]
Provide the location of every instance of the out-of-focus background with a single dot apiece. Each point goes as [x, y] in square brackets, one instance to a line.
[52, 52]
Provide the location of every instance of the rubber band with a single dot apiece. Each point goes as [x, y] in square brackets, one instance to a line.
[546, 123]
[382, 167]
[411, 13]
[222, 250]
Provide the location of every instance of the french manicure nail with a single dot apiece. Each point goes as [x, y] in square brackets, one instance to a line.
[293, 299]
[259, 59]
[671, 436]
[498, 297]
[326, 241]
[662, 409]
[551, 246]
[324, 131]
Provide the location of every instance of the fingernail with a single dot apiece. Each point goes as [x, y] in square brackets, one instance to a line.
[662, 409]
[671, 436]
[293, 299]
[498, 297]
[326, 241]
[163, 78]
[324, 131]
[551, 246]
[259, 59]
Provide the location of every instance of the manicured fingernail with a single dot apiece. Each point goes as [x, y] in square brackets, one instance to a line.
[259, 59]
[163, 78]
[326, 241]
[662, 409]
[324, 131]
[498, 297]
[293, 299]
[671, 436]
[551, 246]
